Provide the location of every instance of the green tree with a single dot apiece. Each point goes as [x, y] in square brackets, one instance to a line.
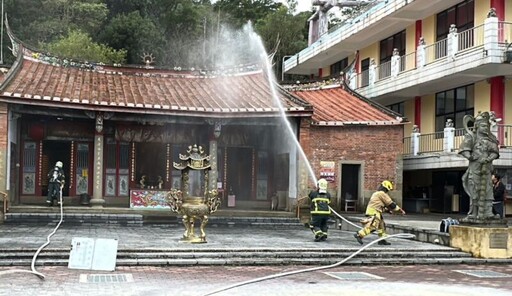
[134, 33]
[284, 32]
[80, 46]
[52, 19]
[184, 25]
[242, 11]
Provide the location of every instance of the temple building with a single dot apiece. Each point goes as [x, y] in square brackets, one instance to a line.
[118, 130]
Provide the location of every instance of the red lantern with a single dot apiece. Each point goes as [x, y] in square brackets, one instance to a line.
[36, 132]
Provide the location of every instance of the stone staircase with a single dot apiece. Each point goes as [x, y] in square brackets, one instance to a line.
[243, 256]
[128, 217]
[140, 220]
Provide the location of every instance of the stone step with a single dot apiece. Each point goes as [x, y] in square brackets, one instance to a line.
[74, 218]
[266, 261]
[252, 254]
[139, 220]
[241, 256]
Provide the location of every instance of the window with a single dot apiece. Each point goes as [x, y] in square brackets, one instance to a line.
[386, 52]
[398, 108]
[339, 66]
[454, 104]
[462, 15]
[365, 72]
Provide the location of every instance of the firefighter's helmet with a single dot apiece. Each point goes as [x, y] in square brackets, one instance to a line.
[387, 184]
[58, 164]
[322, 185]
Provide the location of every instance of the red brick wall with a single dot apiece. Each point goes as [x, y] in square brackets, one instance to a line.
[378, 146]
[4, 119]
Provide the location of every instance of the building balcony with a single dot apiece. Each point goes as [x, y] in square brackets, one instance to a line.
[440, 150]
[462, 58]
[375, 21]
[467, 57]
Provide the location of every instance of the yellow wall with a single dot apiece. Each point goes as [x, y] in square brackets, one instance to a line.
[482, 96]
[410, 36]
[371, 51]
[409, 114]
[508, 103]
[428, 114]
[428, 28]
[410, 46]
[326, 71]
[508, 11]
[481, 9]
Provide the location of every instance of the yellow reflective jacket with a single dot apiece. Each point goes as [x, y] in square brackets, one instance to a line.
[320, 203]
[378, 202]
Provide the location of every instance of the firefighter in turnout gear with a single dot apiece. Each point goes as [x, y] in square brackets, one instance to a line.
[55, 183]
[320, 210]
[379, 202]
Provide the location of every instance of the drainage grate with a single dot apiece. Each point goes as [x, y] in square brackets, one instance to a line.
[106, 278]
[484, 273]
[353, 275]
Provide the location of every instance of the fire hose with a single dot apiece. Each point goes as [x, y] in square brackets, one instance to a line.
[34, 258]
[283, 274]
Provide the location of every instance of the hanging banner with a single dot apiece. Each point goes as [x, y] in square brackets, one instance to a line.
[327, 170]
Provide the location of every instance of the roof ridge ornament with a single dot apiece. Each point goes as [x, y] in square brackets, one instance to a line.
[148, 59]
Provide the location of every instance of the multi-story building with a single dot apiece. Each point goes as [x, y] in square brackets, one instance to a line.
[434, 62]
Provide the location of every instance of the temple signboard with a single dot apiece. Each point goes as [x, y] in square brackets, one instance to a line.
[149, 199]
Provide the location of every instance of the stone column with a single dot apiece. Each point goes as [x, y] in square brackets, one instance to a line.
[97, 200]
[395, 63]
[452, 41]
[420, 54]
[214, 173]
[491, 36]
[449, 136]
[4, 138]
[372, 72]
[415, 140]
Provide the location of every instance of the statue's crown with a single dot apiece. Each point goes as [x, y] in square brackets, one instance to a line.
[482, 116]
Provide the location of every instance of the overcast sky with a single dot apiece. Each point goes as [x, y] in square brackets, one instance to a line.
[304, 5]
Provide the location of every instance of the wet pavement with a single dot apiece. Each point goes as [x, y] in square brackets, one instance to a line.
[389, 280]
[168, 236]
[446, 280]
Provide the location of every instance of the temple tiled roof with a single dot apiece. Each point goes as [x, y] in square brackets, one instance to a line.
[335, 106]
[37, 82]
[40, 79]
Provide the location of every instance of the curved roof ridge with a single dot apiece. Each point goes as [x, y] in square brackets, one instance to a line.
[37, 55]
[335, 106]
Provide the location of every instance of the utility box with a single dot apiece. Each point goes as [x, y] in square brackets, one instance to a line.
[455, 203]
[231, 200]
[93, 254]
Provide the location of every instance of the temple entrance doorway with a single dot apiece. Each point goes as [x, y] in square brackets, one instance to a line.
[351, 185]
[54, 151]
[239, 172]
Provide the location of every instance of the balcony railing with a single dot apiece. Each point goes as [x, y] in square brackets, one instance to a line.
[369, 14]
[465, 40]
[435, 142]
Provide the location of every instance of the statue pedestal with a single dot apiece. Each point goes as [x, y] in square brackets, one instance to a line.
[482, 241]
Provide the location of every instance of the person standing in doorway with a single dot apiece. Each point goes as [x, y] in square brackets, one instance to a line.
[56, 181]
[499, 195]
[320, 210]
[379, 201]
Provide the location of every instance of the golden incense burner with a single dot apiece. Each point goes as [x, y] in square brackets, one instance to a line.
[194, 201]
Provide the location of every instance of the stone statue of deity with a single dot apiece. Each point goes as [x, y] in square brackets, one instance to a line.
[480, 147]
